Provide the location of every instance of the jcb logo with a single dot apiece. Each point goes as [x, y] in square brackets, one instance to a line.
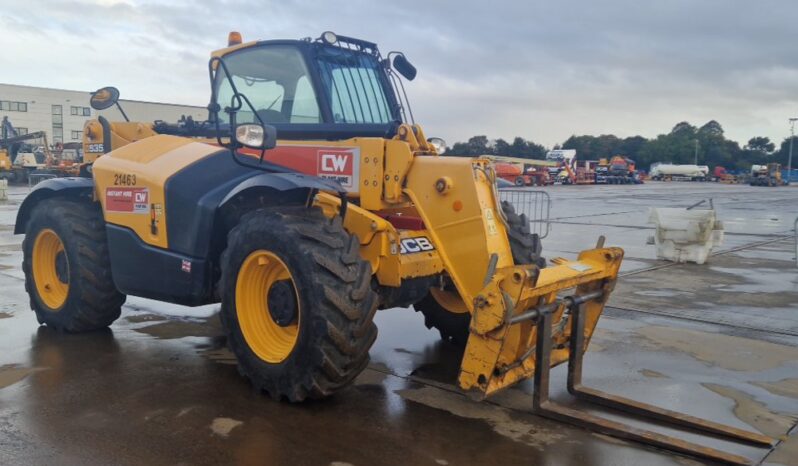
[413, 245]
[334, 162]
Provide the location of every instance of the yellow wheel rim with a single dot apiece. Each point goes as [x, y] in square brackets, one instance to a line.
[50, 269]
[449, 300]
[268, 339]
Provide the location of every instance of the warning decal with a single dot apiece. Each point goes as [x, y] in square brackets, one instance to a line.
[129, 200]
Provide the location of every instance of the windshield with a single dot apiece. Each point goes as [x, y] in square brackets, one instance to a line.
[353, 87]
[275, 78]
[276, 82]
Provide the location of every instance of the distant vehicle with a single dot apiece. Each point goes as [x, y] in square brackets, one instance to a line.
[766, 175]
[514, 173]
[721, 175]
[668, 172]
[617, 170]
[561, 155]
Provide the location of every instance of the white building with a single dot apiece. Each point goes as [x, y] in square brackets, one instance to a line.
[62, 113]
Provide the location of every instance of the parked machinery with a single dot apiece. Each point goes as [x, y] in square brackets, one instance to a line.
[766, 175]
[671, 172]
[617, 170]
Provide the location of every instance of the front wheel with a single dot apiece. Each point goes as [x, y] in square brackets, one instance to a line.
[297, 303]
[67, 267]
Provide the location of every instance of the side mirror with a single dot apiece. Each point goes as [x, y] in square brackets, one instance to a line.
[104, 98]
[403, 67]
[256, 136]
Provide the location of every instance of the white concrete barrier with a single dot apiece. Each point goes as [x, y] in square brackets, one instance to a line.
[685, 235]
[3, 189]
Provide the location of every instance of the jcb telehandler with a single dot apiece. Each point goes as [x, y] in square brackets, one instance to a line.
[306, 202]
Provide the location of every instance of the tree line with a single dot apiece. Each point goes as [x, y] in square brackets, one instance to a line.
[678, 146]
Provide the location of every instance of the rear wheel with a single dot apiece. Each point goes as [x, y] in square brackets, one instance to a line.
[443, 308]
[519, 181]
[67, 267]
[297, 303]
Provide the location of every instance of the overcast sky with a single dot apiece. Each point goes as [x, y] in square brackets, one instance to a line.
[542, 70]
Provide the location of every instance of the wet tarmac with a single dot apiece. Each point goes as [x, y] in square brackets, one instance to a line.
[718, 341]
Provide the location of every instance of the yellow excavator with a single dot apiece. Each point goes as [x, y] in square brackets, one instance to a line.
[307, 201]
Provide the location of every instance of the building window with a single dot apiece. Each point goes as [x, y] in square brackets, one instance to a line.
[13, 106]
[58, 119]
[58, 134]
[80, 111]
[21, 131]
[77, 134]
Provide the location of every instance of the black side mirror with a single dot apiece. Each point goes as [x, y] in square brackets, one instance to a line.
[256, 136]
[104, 98]
[404, 67]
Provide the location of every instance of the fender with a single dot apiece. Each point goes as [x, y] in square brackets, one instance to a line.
[282, 182]
[72, 187]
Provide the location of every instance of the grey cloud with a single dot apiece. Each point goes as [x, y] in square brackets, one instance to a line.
[538, 69]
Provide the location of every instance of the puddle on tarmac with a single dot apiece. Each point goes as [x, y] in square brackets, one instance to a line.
[785, 453]
[497, 417]
[784, 387]
[754, 413]
[222, 426]
[653, 374]
[139, 318]
[726, 351]
[173, 329]
[662, 293]
[375, 374]
[760, 280]
[219, 355]
[11, 374]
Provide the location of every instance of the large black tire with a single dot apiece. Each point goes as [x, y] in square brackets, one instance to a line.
[335, 300]
[525, 245]
[452, 326]
[526, 248]
[92, 301]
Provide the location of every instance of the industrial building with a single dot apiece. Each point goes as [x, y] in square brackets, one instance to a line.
[62, 113]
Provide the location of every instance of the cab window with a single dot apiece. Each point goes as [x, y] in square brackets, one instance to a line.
[275, 80]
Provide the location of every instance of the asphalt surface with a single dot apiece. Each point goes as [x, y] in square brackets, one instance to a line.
[718, 341]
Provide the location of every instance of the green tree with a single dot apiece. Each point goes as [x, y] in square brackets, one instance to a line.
[760, 144]
[502, 147]
[782, 155]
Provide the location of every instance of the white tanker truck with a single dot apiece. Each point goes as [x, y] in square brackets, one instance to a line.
[668, 171]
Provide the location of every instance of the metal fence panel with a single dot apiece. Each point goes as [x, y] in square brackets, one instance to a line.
[535, 204]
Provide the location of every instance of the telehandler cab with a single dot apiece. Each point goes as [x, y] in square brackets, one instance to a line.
[307, 201]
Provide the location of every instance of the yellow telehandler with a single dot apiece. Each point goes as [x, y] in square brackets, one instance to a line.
[308, 200]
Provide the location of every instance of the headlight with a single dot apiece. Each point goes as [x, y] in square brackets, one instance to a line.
[439, 145]
[250, 135]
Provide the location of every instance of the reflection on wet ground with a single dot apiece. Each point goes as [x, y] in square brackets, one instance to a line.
[160, 387]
